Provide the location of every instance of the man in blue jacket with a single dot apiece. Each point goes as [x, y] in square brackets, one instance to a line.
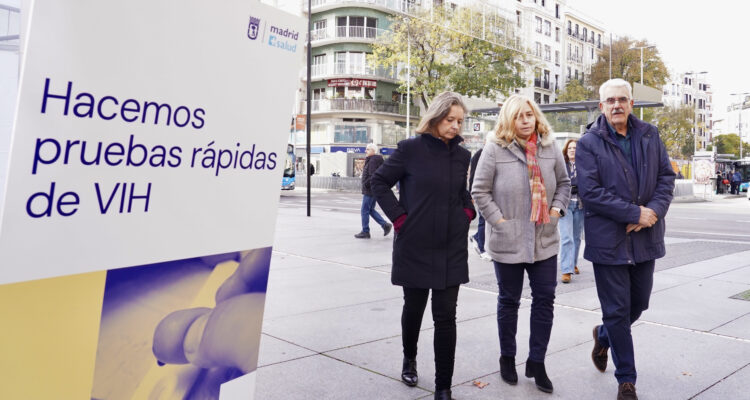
[625, 181]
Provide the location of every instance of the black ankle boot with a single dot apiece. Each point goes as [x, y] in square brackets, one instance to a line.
[536, 370]
[443, 394]
[409, 372]
[508, 370]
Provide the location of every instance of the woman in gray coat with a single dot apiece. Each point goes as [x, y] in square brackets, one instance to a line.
[522, 188]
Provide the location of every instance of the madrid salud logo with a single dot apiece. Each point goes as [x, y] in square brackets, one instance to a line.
[253, 28]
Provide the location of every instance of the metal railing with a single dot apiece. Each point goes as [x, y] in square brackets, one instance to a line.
[329, 69]
[348, 32]
[402, 6]
[362, 105]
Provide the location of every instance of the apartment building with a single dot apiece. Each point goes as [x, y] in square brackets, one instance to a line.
[692, 89]
[582, 44]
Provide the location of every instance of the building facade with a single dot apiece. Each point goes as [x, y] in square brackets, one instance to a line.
[691, 89]
[582, 45]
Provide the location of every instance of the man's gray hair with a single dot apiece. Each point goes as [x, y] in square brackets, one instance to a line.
[616, 82]
[373, 147]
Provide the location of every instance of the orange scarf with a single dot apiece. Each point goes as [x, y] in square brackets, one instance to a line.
[539, 208]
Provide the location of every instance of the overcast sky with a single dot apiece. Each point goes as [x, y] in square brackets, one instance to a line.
[690, 35]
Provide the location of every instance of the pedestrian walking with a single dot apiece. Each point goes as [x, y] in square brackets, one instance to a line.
[477, 239]
[431, 219]
[372, 162]
[522, 188]
[736, 180]
[571, 224]
[625, 181]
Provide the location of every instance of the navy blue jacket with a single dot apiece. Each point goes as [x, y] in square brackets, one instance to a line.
[612, 191]
[430, 249]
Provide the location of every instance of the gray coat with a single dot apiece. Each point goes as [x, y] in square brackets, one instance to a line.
[502, 190]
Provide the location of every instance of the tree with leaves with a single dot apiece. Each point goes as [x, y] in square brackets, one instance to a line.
[675, 128]
[730, 144]
[574, 91]
[446, 55]
[626, 64]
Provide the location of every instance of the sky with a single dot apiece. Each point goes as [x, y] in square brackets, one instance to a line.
[690, 36]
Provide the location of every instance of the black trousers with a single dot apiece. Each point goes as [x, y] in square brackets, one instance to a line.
[444, 317]
[542, 280]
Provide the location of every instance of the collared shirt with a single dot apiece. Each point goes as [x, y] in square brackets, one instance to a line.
[623, 142]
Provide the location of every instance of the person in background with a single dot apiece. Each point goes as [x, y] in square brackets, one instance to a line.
[431, 219]
[477, 239]
[736, 180]
[626, 183]
[571, 224]
[522, 188]
[372, 162]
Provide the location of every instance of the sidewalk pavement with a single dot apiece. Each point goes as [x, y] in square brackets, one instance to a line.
[331, 328]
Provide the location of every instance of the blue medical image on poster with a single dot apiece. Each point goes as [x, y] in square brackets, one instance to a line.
[179, 329]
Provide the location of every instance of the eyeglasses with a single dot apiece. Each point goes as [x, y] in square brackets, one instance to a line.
[611, 101]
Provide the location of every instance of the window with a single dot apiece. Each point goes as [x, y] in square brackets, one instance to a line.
[518, 18]
[353, 26]
[538, 24]
[547, 53]
[544, 3]
[592, 53]
[576, 34]
[592, 37]
[319, 94]
[319, 29]
[557, 11]
[557, 82]
[557, 34]
[557, 57]
[547, 28]
[570, 31]
[538, 49]
[585, 33]
[537, 97]
[598, 40]
[546, 99]
[576, 75]
[351, 134]
[545, 82]
[319, 66]
[569, 73]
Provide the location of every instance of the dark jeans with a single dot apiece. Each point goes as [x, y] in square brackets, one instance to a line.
[444, 316]
[368, 209]
[624, 292]
[542, 279]
[479, 236]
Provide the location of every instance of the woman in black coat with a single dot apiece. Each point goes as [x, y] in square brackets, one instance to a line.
[431, 219]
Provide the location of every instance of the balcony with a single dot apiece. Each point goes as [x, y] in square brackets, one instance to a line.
[348, 32]
[401, 6]
[575, 58]
[320, 71]
[362, 105]
[541, 84]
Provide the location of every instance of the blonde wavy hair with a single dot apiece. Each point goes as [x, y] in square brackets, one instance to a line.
[505, 131]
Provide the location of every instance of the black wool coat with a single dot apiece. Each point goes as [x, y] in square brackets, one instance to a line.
[372, 163]
[430, 250]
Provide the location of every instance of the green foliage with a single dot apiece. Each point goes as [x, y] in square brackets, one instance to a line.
[675, 128]
[574, 91]
[443, 58]
[626, 64]
[730, 144]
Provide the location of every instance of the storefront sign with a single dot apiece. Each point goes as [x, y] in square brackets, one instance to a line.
[139, 215]
[366, 83]
[347, 149]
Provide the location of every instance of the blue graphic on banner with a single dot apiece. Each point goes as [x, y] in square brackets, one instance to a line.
[347, 149]
[387, 151]
[196, 317]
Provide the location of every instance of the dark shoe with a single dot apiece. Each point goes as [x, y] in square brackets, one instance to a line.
[539, 373]
[599, 354]
[443, 394]
[508, 370]
[409, 372]
[387, 229]
[626, 391]
[362, 235]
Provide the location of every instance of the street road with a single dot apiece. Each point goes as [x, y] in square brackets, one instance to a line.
[723, 219]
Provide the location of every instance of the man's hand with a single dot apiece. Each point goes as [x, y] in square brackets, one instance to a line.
[553, 212]
[648, 217]
[633, 227]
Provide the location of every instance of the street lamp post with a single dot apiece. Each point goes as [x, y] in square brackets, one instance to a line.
[739, 124]
[641, 48]
[695, 119]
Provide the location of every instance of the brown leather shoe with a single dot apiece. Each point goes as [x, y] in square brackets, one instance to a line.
[626, 391]
[599, 354]
[575, 269]
[565, 278]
